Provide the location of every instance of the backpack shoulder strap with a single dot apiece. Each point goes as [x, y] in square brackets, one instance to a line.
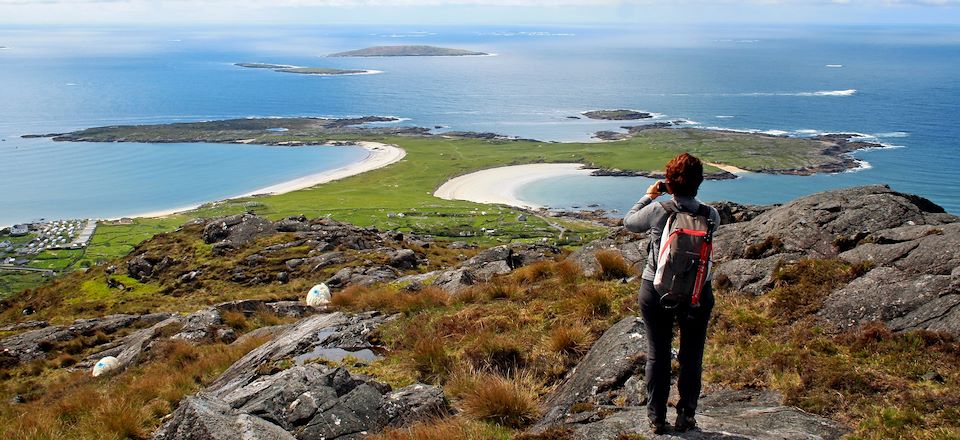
[704, 210]
[670, 206]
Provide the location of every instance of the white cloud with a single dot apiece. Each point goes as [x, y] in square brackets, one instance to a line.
[401, 3]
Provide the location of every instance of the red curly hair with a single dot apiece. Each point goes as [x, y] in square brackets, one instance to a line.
[684, 175]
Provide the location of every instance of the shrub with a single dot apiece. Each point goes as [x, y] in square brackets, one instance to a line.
[500, 400]
[612, 265]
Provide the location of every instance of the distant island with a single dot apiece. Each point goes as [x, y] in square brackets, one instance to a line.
[617, 115]
[408, 51]
[305, 70]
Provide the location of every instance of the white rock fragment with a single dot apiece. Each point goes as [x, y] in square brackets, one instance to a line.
[105, 365]
[319, 295]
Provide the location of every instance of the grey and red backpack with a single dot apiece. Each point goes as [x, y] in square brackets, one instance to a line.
[683, 261]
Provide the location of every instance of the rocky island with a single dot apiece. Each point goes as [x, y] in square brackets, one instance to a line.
[305, 70]
[617, 115]
[407, 51]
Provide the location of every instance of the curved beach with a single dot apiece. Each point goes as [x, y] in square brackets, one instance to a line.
[379, 155]
[500, 185]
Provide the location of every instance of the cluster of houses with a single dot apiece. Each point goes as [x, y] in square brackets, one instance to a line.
[46, 235]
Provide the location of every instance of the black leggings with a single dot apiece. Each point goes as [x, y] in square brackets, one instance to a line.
[658, 322]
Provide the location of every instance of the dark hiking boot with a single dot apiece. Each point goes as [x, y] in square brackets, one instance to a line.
[658, 427]
[685, 423]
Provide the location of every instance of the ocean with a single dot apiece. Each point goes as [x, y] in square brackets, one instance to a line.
[896, 84]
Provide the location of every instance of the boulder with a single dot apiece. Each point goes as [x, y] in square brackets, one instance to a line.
[236, 230]
[202, 417]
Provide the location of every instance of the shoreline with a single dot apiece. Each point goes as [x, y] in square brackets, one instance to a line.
[499, 185]
[378, 156]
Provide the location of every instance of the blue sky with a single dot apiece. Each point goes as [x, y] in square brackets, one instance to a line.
[449, 12]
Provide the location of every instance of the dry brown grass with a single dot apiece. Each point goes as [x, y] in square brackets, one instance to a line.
[501, 288]
[125, 405]
[389, 300]
[494, 398]
[568, 272]
[532, 273]
[570, 339]
[592, 300]
[451, 428]
[612, 265]
[870, 378]
[497, 353]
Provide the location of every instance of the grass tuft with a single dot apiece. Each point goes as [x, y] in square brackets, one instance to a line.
[612, 265]
[500, 400]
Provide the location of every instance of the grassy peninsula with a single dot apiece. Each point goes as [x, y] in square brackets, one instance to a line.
[407, 51]
[375, 198]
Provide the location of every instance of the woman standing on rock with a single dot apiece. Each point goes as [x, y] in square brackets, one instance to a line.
[660, 310]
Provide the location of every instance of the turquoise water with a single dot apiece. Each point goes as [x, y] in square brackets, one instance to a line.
[898, 84]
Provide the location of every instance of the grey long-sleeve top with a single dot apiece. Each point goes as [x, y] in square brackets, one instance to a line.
[647, 216]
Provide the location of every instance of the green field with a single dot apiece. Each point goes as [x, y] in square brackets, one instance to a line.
[407, 187]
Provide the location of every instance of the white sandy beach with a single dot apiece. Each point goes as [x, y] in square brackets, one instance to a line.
[379, 155]
[500, 185]
[728, 168]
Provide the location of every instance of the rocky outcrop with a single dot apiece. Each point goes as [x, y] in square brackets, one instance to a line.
[233, 232]
[824, 224]
[912, 245]
[35, 344]
[260, 396]
[498, 260]
[199, 417]
[325, 331]
[603, 399]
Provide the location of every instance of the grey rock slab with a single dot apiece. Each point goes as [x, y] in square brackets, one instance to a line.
[612, 360]
[292, 341]
[901, 299]
[727, 415]
[811, 224]
[207, 418]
